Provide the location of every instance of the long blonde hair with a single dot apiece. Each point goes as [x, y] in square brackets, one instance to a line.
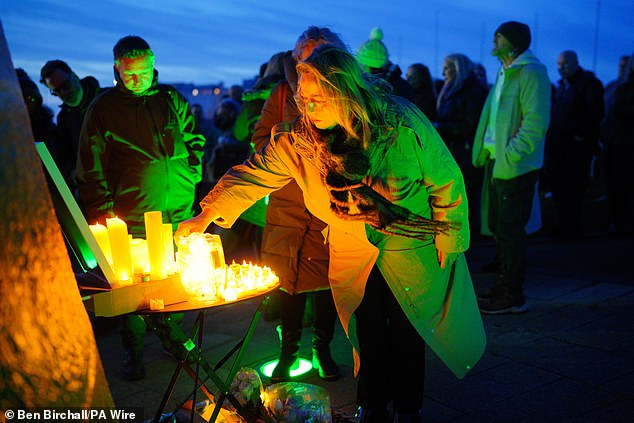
[356, 97]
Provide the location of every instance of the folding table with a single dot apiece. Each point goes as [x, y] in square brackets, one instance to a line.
[188, 350]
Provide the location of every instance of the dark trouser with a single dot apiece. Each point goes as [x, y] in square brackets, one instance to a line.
[510, 202]
[292, 311]
[570, 178]
[133, 329]
[392, 352]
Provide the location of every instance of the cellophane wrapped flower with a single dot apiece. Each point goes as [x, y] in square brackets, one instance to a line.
[247, 389]
[296, 402]
[286, 402]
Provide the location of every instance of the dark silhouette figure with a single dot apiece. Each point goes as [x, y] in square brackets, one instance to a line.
[459, 106]
[620, 150]
[41, 116]
[572, 140]
[419, 78]
[76, 95]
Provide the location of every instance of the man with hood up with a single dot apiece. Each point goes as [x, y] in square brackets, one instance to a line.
[140, 150]
[509, 144]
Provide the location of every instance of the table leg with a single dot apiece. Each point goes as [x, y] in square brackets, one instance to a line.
[188, 353]
[236, 363]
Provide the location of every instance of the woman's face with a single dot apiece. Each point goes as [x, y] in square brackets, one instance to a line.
[448, 71]
[316, 106]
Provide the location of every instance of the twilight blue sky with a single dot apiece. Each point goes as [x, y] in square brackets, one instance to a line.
[211, 41]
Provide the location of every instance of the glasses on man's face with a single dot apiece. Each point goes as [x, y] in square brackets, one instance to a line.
[64, 88]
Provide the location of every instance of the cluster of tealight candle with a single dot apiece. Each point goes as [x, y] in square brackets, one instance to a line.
[247, 279]
[206, 277]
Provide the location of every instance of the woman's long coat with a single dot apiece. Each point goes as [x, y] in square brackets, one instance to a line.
[410, 167]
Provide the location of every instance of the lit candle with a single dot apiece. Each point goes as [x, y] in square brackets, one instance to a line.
[100, 232]
[217, 252]
[140, 260]
[120, 247]
[230, 294]
[155, 246]
[168, 248]
[194, 266]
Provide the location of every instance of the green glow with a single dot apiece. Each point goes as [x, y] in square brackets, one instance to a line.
[91, 262]
[304, 367]
[189, 345]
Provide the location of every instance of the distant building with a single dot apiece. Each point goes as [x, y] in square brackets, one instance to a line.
[208, 96]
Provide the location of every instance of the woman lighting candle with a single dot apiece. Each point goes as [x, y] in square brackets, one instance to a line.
[373, 168]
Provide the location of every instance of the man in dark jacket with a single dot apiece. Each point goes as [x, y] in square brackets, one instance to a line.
[76, 95]
[572, 140]
[139, 151]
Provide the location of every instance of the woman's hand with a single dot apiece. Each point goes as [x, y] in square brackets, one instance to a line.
[445, 259]
[196, 224]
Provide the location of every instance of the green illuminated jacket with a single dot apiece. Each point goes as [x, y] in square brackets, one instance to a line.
[138, 154]
[522, 118]
[409, 166]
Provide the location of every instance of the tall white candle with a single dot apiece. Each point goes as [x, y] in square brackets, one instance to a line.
[100, 232]
[155, 245]
[168, 248]
[120, 247]
[140, 261]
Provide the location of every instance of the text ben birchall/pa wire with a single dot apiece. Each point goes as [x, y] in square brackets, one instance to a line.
[128, 415]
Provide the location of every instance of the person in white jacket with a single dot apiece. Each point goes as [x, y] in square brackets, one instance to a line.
[509, 143]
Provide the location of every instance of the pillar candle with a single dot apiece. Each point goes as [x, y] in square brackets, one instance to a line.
[120, 247]
[100, 232]
[155, 245]
[140, 261]
[168, 248]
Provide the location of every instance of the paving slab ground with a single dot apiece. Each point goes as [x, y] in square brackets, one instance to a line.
[570, 358]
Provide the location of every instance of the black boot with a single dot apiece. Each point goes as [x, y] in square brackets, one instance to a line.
[407, 418]
[289, 355]
[133, 368]
[322, 360]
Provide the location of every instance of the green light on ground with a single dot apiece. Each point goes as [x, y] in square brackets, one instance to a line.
[304, 367]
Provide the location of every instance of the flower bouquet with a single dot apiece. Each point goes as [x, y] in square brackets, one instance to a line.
[296, 402]
[286, 402]
[247, 389]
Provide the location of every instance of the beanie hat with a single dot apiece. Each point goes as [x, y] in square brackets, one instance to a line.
[517, 33]
[373, 52]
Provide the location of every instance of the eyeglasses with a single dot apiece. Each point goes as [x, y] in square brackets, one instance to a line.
[64, 88]
[313, 103]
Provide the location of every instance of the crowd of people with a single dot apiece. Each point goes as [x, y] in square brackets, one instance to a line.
[376, 182]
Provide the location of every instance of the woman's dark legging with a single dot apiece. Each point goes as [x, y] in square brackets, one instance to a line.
[392, 352]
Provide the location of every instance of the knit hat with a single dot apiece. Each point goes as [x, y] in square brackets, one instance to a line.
[373, 52]
[517, 33]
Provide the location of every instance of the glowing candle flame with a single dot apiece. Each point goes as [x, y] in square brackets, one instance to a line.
[206, 277]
